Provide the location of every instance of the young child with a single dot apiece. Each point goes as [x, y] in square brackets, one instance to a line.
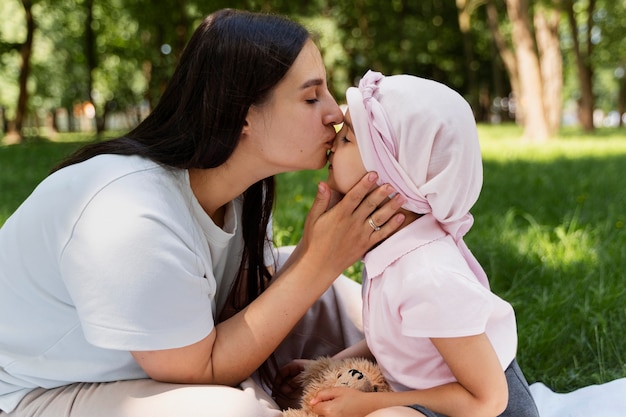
[444, 341]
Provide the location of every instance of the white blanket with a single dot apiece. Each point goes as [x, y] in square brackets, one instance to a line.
[605, 400]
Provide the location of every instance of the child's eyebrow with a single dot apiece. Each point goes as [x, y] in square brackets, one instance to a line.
[347, 123]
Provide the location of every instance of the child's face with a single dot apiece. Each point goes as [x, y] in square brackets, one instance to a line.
[346, 167]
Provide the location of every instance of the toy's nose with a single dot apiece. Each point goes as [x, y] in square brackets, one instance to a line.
[355, 374]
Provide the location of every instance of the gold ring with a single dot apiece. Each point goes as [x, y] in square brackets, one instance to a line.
[373, 225]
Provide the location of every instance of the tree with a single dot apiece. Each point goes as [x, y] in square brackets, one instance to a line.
[583, 49]
[119, 54]
[551, 62]
[530, 100]
[466, 9]
[533, 60]
[14, 134]
[421, 38]
[506, 54]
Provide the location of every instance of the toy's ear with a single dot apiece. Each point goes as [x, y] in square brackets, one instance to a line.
[316, 370]
[380, 384]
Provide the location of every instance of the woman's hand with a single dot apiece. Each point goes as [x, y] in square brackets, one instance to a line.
[336, 238]
[333, 240]
[287, 388]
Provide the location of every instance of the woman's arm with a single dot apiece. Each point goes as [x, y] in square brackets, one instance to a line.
[332, 241]
[481, 389]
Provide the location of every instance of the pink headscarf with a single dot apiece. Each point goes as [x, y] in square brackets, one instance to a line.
[420, 136]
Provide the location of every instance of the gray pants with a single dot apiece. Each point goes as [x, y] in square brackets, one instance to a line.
[521, 403]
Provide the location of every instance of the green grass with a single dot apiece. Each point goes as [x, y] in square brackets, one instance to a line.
[550, 230]
[550, 233]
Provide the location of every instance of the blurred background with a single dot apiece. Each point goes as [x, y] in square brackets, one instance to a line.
[94, 65]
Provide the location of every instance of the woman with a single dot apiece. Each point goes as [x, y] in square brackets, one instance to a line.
[136, 279]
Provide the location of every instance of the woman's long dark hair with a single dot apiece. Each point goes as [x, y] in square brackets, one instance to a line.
[233, 61]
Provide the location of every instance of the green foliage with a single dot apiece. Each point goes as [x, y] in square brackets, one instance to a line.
[138, 41]
[12, 33]
[607, 47]
[550, 231]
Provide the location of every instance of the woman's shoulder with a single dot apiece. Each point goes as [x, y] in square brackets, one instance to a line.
[108, 168]
[121, 187]
[140, 175]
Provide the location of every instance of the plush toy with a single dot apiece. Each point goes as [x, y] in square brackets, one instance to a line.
[357, 373]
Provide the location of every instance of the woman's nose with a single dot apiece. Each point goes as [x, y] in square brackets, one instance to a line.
[334, 115]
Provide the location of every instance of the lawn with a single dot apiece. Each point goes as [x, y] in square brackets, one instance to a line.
[549, 230]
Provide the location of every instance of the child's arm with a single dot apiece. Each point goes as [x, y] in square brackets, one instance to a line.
[357, 350]
[481, 389]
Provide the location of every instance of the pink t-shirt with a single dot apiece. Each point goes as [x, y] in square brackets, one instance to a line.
[417, 285]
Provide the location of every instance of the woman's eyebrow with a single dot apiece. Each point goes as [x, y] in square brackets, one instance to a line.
[311, 83]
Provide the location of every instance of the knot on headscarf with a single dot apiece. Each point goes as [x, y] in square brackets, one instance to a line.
[379, 149]
[379, 124]
[428, 151]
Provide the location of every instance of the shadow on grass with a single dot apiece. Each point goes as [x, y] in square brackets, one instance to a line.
[552, 238]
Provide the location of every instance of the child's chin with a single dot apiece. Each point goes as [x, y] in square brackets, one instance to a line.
[335, 197]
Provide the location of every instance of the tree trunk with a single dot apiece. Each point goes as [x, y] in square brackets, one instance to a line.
[464, 8]
[621, 100]
[583, 64]
[551, 61]
[14, 131]
[506, 54]
[531, 86]
[92, 63]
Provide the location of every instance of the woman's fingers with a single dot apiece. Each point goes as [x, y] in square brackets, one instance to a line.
[356, 197]
[384, 220]
[321, 202]
[337, 237]
[374, 208]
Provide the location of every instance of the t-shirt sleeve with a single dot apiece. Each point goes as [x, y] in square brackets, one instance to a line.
[461, 306]
[132, 270]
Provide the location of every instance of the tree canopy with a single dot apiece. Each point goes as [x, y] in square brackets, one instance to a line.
[511, 59]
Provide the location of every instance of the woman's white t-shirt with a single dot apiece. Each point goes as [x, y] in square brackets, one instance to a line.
[108, 256]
